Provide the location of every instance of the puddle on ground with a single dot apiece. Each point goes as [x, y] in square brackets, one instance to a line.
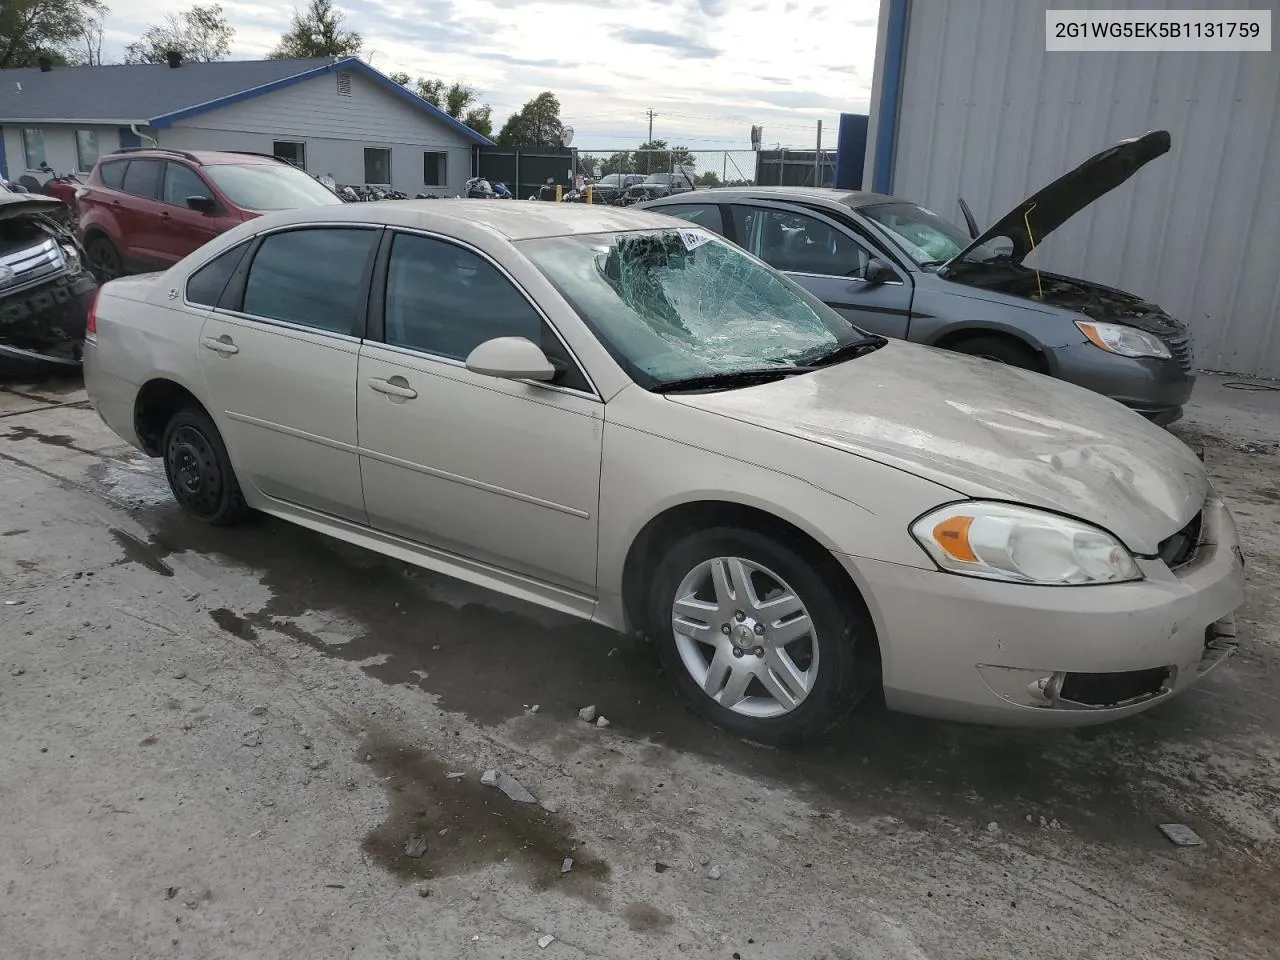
[13, 533]
[488, 663]
[19, 433]
[468, 826]
[142, 552]
[134, 483]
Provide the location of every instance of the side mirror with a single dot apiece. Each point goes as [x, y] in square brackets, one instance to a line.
[878, 272]
[203, 204]
[511, 358]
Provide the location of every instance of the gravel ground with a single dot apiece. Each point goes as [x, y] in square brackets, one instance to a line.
[221, 743]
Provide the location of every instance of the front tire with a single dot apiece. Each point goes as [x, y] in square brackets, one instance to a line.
[1000, 349]
[199, 470]
[757, 639]
[104, 259]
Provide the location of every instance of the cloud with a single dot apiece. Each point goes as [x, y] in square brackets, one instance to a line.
[709, 68]
[661, 38]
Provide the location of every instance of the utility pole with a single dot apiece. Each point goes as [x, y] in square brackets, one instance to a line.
[817, 159]
[651, 115]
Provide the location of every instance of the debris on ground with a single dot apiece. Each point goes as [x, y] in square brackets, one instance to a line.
[415, 847]
[251, 739]
[1255, 447]
[550, 806]
[535, 708]
[660, 867]
[257, 710]
[587, 714]
[335, 886]
[180, 675]
[171, 892]
[422, 890]
[508, 785]
[19, 671]
[455, 775]
[716, 872]
[545, 941]
[602, 721]
[567, 865]
[614, 652]
[1181, 834]
[993, 828]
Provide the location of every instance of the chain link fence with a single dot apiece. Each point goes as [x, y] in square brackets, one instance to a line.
[715, 168]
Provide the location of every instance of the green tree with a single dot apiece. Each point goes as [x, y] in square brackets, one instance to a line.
[400, 77]
[317, 32]
[536, 124]
[655, 156]
[456, 99]
[200, 34]
[30, 29]
[621, 162]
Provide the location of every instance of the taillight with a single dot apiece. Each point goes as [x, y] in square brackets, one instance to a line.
[91, 322]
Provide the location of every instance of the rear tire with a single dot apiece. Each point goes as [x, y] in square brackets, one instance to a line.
[104, 259]
[199, 470]
[1001, 350]
[711, 637]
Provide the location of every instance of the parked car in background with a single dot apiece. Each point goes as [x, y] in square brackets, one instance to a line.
[897, 269]
[608, 189]
[626, 418]
[147, 208]
[45, 290]
[657, 185]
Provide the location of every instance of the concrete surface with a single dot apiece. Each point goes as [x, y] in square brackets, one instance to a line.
[218, 744]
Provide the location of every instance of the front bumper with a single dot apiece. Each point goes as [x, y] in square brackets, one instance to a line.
[1157, 389]
[42, 327]
[1000, 653]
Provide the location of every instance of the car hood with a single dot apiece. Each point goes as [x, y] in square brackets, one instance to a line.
[26, 204]
[1036, 217]
[988, 430]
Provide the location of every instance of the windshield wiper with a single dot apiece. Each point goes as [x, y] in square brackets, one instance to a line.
[847, 351]
[730, 379]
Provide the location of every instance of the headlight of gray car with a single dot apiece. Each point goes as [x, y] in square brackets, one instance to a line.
[1124, 341]
[1000, 541]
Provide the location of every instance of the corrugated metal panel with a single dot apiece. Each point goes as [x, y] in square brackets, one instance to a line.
[987, 114]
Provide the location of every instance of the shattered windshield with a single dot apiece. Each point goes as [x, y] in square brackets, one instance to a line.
[676, 304]
[926, 237]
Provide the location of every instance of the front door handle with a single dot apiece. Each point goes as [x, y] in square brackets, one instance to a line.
[393, 387]
[222, 345]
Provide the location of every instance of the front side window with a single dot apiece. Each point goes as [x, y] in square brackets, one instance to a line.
[434, 168]
[926, 238]
[314, 278]
[205, 286]
[674, 304]
[86, 150]
[377, 165]
[142, 179]
[268, 186]
[112, 174]
[291, 151]
[181, 182]
[33, 148]
[799, 243]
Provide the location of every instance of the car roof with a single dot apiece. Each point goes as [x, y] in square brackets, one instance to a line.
[512, 219]
[200, 157]
[820, 195]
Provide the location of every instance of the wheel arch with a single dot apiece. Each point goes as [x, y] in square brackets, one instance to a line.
[154, 406]
[951, 336]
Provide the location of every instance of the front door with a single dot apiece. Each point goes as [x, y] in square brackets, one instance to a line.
[280, 366]
[501, 471]
[184, 230]
[825, 258]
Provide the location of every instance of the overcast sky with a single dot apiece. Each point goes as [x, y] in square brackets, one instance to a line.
[709, 68]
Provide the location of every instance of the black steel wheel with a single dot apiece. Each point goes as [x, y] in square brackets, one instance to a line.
[199, 470]
[104, 259]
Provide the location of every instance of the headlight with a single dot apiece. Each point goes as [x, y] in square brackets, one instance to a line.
[1001, 541]
[70, 257]
[1124, 341]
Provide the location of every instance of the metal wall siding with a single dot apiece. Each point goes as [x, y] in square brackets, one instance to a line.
[987, 114]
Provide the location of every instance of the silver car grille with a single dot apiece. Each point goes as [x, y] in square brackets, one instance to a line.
[30, 265]
[1183, 350]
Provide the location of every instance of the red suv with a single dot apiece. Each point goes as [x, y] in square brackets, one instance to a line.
[147, 208]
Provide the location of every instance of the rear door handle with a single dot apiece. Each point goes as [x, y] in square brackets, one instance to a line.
[394, 387]
[222, 345]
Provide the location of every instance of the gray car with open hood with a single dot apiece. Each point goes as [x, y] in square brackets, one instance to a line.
[894, 268]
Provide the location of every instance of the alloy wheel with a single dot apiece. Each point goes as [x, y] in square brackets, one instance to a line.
[745, 637]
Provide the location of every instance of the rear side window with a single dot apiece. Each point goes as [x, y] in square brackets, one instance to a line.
[205, 286]
[142, 179]
[703, 214]
[314, 278]
[112, 174]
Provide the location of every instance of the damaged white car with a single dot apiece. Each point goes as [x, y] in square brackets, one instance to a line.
[620, 416]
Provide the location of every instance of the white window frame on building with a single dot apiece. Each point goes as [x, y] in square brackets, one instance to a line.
[32, 142]
[295, 152]
[442, 168]
[369, 150]
[87, 150]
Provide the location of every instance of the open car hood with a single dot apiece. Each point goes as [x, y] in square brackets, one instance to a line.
[26, 204]
[1035, 218]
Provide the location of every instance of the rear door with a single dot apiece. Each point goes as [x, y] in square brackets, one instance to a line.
[138, 215]
[279, 356]
[827, 259]
[185, 230]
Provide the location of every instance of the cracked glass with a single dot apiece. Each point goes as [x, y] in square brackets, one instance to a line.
[675, 304]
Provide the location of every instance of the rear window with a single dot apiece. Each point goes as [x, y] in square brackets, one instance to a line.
[205, 286]
[112, 174]
[268, 186]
